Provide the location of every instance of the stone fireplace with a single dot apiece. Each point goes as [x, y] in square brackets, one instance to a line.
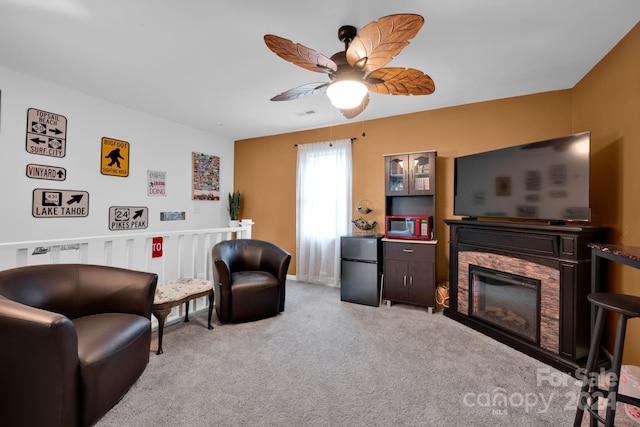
[524, 285]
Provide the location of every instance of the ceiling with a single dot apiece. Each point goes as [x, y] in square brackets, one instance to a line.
[203, 63]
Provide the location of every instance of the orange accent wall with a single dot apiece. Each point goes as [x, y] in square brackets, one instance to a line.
[265, 168]
[606, 102]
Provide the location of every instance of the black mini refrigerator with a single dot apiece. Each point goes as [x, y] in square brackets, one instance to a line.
[361, 268]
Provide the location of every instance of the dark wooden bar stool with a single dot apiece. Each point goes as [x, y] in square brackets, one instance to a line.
[627, 307]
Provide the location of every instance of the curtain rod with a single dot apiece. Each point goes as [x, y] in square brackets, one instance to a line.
[353, 138]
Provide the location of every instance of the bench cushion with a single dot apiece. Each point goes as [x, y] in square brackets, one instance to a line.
[177, 291]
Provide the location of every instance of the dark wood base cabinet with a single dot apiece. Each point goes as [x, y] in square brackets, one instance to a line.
[409, 272]
[556, 257]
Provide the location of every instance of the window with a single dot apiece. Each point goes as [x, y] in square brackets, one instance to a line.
[323, 208]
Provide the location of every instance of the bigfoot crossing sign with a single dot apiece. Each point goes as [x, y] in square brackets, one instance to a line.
[115, 157]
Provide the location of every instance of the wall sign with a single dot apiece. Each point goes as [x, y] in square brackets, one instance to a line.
[156, 247]
[156, 183]
[40, 250]
[128, 217]
[49, 203]
[172, 216]
[115, 157]
[53, 173]
[46, 133]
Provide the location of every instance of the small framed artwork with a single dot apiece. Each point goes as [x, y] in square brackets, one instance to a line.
[558, 175]
[205, 177]
[558, 194]
[173, 216]
[503, 186]
[479, 198]
[525, 211]
[533, 180]
[156, 183]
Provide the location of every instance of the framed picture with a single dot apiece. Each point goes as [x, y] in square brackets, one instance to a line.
[503, 186]
[558, 175]
[173, 216]
[205, 177]
[156, 183]
[533, 180]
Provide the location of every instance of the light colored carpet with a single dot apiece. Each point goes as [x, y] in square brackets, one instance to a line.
[324, 362]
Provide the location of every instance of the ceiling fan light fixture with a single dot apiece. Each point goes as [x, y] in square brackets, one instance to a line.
[346, 94]
[365, 54]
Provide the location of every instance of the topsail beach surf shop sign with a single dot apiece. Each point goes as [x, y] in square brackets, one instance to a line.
[46, 133]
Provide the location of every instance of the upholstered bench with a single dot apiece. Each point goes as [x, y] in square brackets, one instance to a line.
[172, 294]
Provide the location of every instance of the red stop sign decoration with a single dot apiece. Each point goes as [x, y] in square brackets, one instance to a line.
[156, 247]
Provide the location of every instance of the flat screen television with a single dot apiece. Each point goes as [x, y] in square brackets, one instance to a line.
[544, 180]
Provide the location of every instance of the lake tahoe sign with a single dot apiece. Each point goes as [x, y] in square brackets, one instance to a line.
[49, 203]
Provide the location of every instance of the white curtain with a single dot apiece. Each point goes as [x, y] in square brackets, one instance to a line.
[323, 209]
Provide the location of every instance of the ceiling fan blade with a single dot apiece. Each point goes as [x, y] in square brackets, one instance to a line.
[379, 41]
[300, 55]
[301, 91]
[400, 81]
[350, 113]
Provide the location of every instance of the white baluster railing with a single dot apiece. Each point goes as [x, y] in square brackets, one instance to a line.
[185, 254]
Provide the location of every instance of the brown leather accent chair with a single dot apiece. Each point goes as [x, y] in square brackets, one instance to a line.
[249, 279]
[73, 339]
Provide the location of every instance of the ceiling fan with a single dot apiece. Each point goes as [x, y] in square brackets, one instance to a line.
[360, 64]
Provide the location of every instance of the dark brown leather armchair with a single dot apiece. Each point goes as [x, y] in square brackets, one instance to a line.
[73, 339]
[249, 279]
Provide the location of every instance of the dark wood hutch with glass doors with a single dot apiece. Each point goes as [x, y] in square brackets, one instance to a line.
[409, 245]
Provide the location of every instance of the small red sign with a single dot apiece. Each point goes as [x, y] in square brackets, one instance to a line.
[156, 247]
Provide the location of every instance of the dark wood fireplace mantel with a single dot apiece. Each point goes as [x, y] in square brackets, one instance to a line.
[556, 254]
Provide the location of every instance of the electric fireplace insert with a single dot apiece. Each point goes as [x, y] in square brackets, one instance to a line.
[505, 300]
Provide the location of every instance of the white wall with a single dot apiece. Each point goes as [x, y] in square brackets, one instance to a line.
[155, 144]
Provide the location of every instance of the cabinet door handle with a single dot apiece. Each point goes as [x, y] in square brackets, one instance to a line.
[409, 251]
[410, 280]
[404, 280]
